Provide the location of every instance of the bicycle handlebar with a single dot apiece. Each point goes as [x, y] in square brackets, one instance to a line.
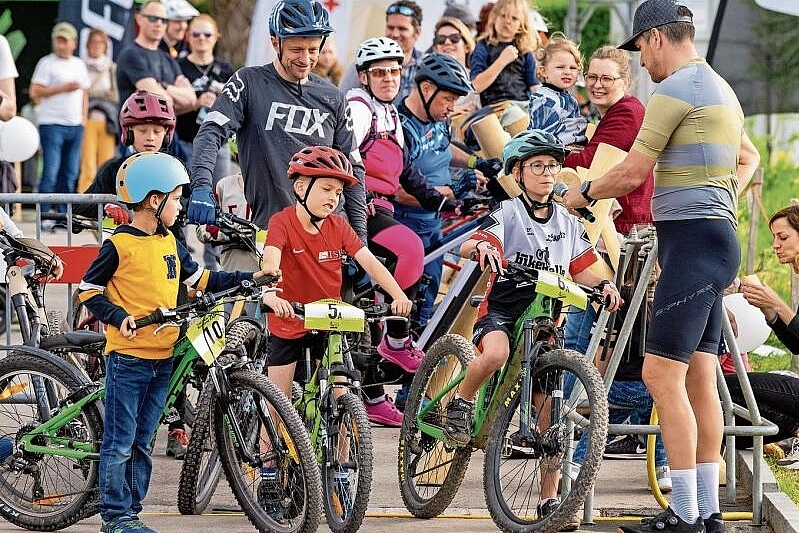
[519, 272]
[204, 302]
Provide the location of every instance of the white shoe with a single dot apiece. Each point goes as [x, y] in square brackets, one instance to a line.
[664, 478]
[791, 460]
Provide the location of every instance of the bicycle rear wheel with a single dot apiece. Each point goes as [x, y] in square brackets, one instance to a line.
[40, 491]
[347, 471]
[430, 470]
[273, 431]
[521, 472]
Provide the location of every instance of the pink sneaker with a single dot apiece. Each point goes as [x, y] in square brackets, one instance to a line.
[384, 413]
[409, 357]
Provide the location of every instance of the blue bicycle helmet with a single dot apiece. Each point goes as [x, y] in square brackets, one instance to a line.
[528, 143]
[299, 18]
[145, 172]
[445, 72]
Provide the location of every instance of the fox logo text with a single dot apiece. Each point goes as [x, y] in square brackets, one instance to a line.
[297, 119]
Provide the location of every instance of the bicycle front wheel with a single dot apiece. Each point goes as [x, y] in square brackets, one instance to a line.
[347, 469]
[271, 430]
[40, 491]
[201, 468]
[431, 470]
[522, 472]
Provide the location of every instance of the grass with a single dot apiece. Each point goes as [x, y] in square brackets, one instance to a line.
[788, 480]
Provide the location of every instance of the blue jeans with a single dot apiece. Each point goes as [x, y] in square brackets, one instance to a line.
[60, 160]
[627, 399]
[429, 231]
[135, 393]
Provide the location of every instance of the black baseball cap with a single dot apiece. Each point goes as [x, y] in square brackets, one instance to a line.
[651, 14]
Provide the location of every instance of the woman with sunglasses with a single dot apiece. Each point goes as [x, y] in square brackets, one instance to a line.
[454, 39]
[378, 132]
[207, 75]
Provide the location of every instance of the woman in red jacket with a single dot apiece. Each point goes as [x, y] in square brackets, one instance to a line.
[608, 80]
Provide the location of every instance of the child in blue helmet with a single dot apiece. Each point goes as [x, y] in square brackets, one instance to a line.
[139, 269]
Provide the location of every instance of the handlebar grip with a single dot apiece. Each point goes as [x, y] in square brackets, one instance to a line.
[156, 317]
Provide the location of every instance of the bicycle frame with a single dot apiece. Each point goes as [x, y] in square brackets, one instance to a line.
[534, 332]
[204, 339]
[334, 318]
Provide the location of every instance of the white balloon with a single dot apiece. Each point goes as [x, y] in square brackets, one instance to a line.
[19, 140]
[752, 328]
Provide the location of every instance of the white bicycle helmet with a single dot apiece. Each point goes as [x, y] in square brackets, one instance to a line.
[375, 49]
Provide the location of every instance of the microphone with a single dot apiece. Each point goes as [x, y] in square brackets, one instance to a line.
[560, 189]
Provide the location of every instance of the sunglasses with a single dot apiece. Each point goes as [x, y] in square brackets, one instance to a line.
[454, 38]
[394, 9]
[152, 19]
[198, 34]
[384, 72]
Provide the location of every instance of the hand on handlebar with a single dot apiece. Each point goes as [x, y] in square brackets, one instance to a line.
[401, 307]
[612, 298]
[118, 213]
[202, 206]
[489, 257]
[128, 327]
[279, 306]
[277, 274]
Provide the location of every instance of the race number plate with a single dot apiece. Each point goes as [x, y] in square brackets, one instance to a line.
[207, 334]
[333, 315]
[556, 286]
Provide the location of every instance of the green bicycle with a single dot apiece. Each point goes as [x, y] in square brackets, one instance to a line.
[51, 424]
[525, 418]
[329, 403]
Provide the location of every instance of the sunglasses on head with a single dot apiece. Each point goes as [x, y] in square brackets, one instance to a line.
[401, 9]
[383, 72]
[152, 19]
[454, 38]
[198, 34]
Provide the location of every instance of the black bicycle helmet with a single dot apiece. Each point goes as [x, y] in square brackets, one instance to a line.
[299, 18]
[528, 143]
[445, 72]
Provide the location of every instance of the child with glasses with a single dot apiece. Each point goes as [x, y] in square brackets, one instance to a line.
[552, 107]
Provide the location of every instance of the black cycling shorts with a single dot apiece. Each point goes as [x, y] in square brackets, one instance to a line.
[699, 258]
[281, 352]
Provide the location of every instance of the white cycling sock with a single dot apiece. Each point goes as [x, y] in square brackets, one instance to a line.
[707, 488]
[396, 344]
[683, 495]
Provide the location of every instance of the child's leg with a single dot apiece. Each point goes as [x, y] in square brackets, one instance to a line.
[127, 383]
[140, 466]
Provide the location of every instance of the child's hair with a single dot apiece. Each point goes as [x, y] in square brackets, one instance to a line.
[620, 57]
[557, 43]
[527, 38]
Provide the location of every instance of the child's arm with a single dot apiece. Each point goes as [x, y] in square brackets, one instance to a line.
[91, 290]
[487, 77]
[271, 265]
[609, 290]
[7, 225]
[400, 305]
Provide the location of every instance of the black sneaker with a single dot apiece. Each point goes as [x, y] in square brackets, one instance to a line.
[714, 523]
[626, 448]
[548, 506]
[458, 428]
[665, 522]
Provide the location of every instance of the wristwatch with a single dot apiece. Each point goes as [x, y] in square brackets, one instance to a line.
[584, 188]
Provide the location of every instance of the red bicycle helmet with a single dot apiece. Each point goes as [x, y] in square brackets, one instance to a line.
[321, 162]
[144, 107]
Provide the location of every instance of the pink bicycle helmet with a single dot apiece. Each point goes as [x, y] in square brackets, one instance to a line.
[321, 162]
[144, 107]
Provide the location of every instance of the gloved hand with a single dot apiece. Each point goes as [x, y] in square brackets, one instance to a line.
[202, 206]
[453, 206]
[491, 168]
[466, 183]
[118, 213]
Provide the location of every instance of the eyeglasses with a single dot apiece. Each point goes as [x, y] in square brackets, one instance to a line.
[152, 19]
[454, 38]
[384, 72]
[538, 168]
[605, 81]
[198, 34]
[393, 9]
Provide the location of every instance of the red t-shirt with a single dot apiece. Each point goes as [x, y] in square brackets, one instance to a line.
[311, 263]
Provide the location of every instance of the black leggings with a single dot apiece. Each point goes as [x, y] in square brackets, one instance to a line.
[777, 397]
